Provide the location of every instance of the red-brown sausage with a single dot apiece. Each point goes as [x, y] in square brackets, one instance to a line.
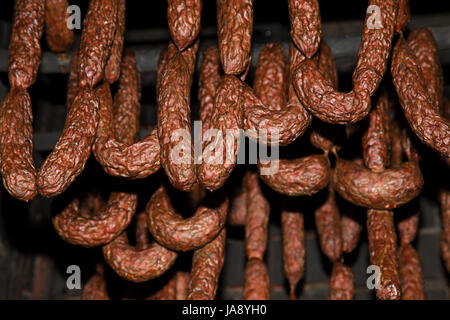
[172, 231]
[234, 33]
[59, 37]
[293, 247]
[306, 25]
[257, 282]
[183, 17]
[207, 264]
[411, 276]
[257, 220]
[341, 283]
[317, 93]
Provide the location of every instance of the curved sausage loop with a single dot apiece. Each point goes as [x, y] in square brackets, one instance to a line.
[172, 231]
[234, 33]
[100, 227]
[421, 110]
[138, 265]
[173, 118]
[137, 160]
[297, 177]
[317, 92]
[378, 190]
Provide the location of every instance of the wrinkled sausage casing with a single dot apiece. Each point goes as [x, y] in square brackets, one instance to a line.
[350, 233]
[172, 231]
[383, 252]
[328, 225]
[138, 265]
[219, 154]
[293, 247]
[184, 18]
[257, 282]
[100, 228]
[270, 80]
[59, 37]
[73, 148]
[234, 33]
[137, 160]
[341, 283]
[257, 220]
[207, 264]
[411, 275]
[318, 93]
[379, 190]
[418, 107]
[99, 28]
[16, 145]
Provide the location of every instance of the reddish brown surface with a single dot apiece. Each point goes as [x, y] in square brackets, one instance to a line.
[257, 220]
[341, 283]
[220, 155]
[296, 177]
[422, 43]
[411, 275]
[317, 93]
[174, 121]
[183, 17]
[350, 233]
[127, 101]
[100, 227]
[208, 82]
[207, 264]
[16, 145]
[95, 287]
[383, 252]
[418, 107]
[328, 224]
[73, 148]
[403, 15]
[72, 81]
[137, 265]
[99, 28]
[112, 70]
[257, 282]
[365, 188]
[24, 53]
[172, 231]
[59, 37]
[306, 25]
[445, 233]
[293, 247]
[270, 79]
[137, 160]
[182, 285]
[376, 140]
[238, 210]
[234, 33]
